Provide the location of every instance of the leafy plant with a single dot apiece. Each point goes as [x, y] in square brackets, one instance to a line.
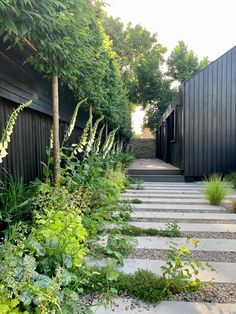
[16, 200]
[179, 272]
[232, 178]
[173, 230]
[216, 189]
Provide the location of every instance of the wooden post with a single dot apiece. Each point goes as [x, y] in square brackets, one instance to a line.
[56, 139]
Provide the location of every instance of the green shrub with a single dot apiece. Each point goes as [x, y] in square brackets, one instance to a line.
[233, 179]
[143, 285]
[216, 189]
[16, 200]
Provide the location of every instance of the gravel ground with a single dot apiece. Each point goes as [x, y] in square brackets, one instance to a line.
[212, 293]
[206, 256]
[181, 220]
[209, 235]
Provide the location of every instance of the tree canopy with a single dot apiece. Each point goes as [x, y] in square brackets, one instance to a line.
[183, 63]
[68, 40]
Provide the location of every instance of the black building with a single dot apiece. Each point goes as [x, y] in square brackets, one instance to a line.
[197, 133]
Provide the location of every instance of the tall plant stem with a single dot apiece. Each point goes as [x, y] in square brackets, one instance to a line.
[56, 140]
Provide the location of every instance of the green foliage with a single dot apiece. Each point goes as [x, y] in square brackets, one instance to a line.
[76, 49]
[173, 230]
[233, 179]
[179, 272]
[133, 201]
[15, 200]
[183, 63]
[216, 189]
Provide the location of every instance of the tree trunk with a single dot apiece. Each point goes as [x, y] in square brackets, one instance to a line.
[56, 139]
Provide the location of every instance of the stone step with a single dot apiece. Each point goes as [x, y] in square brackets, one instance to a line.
[141, 172]
[178, 207]
[161, 200]
[162, 243]
[174, 215]
[170, 195]
[164, 191]
[132, 306]
[160, 178]
[224, 272]
[188, 227]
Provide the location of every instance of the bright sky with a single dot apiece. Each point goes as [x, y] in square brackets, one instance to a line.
[206, 26]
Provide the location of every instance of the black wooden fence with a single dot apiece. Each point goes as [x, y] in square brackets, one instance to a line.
[19, 83]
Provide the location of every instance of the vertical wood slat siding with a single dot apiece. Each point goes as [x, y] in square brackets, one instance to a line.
[210, 118]
[29, 140]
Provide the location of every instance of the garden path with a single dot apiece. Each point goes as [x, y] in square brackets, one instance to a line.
[213, 226]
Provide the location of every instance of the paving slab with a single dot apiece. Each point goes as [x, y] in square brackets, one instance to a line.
[224, 272]
[161, 243]
[151, 164]
[191, 207]
[129, 306]
[182, 196]
[176, 215]
[164, 191]
[160, 200]
[187, 227]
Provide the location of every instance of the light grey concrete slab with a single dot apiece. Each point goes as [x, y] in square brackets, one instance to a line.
[129, 306]
[161, 243]
[150, 164]
[176, 215]
[224, 272]
[142, 195]
[189, 227]
[182, 196]
[178, 207]
[157, 200]
[164, 191]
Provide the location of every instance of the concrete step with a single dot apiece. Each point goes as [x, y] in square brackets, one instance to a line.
[164, 191]
[171, 195]
[188, 227]
[174, 215]
[161, 200]
[141, 172]
[224, 272]
[159, 178]
[211, 245]
[132, 306]
[178, 207]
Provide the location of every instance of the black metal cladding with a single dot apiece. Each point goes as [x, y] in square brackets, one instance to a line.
[205, 106]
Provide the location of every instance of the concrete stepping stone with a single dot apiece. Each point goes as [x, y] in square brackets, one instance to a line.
[131, 306]
[211, 245]
[157, 200]
[171, 207]
[164, 191]
[175, 215]
[188, 227]
[182, 196]
[224, 272]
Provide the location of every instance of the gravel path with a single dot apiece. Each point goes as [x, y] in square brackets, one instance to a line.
[212, 293]
[213, 221]
[210, 235]
[205, 256]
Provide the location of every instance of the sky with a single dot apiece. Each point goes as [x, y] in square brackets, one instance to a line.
[206, 26]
